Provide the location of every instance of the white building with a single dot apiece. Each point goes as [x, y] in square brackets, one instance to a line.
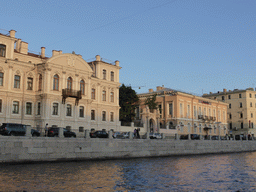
[62, 90]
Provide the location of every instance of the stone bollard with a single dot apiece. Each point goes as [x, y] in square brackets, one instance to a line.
[147, 135]
[189, 137]
[110, 134]
[246, 137]
[241, 137]
[61, 135]
[28, 131]
[130, 135]
[177, 136]
[163, 135]
[86, 134]
[201, 137]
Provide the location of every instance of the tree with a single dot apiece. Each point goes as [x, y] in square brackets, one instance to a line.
[128, 100]
[151, 102]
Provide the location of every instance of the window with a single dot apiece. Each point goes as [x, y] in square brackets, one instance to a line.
[229, 96]
[194, 111]
[170, 109]
[160, 109]
[93, 94]
[40, 81]
[2, 50]
[81, 129]
[229, 106]
[204, 111]
[69, 83]
[250, 104]
[17, 81]
[111, 116]
[241, 115]
[250, 95]
[30, 83]
[104, 74]
[230, 126]
[242, 125]
[82, 85]
[56, 82]
[39, 108]
[0, 105]
[255, 96]
[214, 113]
[200, 128]
[28, 108]
[112, 75]
[223, 98]
[103, 115]
[241, 105]
[188, 111]
[188, 127]
[15, 109]
[230, 116]
[214, 130]
[112, 96]
[69, 110]
[103, 95]
[92, 114]
[240, 95]
[251, 115]
[200, 112]
[68, 128]
[210, 113]
[252, 124]
[81, 111]
[55, 109]
[1, 79]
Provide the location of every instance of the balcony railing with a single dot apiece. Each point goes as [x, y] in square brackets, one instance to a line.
[71, 93]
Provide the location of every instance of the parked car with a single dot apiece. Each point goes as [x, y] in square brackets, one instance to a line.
[126, 135]
[35, 133]
[54, 132]
[195, 137]
[16, 129]
[155, 136]
[99, 134]
[117, 135]
[215, 137]
[183, 137]
[237, 137]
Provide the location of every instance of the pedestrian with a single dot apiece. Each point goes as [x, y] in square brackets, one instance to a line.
[135, 133]
[46, 129]
[138, 133]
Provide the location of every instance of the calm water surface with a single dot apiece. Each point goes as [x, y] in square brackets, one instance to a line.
[228, 172]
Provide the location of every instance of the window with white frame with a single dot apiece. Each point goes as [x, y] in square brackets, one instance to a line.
[15, 107]
[81, 111]
[28, 108]
[103, 115]
[69, 110]
[103, 95]
[111, 96]
[55, 108]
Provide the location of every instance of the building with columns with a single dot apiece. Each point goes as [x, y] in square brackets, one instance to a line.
[182, 113]
[62, 90]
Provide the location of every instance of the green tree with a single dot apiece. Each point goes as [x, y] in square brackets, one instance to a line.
[151, 102]
[128, 100]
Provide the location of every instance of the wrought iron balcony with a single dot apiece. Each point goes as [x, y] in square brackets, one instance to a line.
[71, 93]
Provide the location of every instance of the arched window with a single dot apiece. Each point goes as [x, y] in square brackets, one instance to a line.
[2, 50]
[82, 85]
[104, 74]
[112, 75]
[40, 82]
[69, 83]
[56, 82]
[30, 83]
[111, 116]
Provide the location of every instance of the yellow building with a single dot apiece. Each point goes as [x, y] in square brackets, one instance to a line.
[183, 113]
[241, 111]
[62, 89]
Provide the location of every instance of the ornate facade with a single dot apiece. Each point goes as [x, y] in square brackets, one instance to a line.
[62, 90]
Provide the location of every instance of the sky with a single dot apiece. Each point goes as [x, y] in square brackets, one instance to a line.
[196, 46]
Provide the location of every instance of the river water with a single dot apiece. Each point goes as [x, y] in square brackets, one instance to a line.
[219, 172]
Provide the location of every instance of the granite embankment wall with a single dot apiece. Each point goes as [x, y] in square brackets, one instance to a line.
[27, 149]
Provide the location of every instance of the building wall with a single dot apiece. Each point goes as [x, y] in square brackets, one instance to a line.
[18, 61]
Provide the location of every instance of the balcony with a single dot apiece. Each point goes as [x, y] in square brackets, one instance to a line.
[71, 93]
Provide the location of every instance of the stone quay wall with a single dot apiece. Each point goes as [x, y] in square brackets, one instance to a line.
[30, 149]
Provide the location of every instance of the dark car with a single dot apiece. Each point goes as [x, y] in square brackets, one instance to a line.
[54, 132]
[99, 134]
[183, 137]
[35, 133]
[195, 137]
[240, 137]
[13, 129]
[215, 137]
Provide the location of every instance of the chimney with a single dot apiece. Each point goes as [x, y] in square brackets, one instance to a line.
[117, 63]
[54, 53]
[18, 45]
[97, 58]
[158, 88]
[43, 52]
[150, 90]
[12, 33]
[23, 47]
[224, 90]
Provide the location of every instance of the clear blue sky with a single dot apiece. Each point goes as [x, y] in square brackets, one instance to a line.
[191, 45]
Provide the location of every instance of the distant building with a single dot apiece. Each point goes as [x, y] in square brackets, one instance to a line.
[241, 109]
[182, 113]
[62, 90]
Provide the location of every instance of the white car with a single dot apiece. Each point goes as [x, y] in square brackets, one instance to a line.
[155, 136]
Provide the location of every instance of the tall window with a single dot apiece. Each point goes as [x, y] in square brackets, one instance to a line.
[92, 114]
[112, 75]
[241, 105]
[112, 96]
[251, 115]
[104, 73]
[242, 125]
[103, 95]
[28, 108]
[69, 110]
[250, 95]
[1, 79]
[56, 82]
[194, 111]
[82, 85]
[0, 105]
[210, 112]
[17, 81]
[81, 111]
[188, 111]
[223, 98]
[230, 126]
[38, 108]
[250, 104]
[200, 111]
[103, 115]
[15, 107]
[181, 110]
[40, 82]
[30, 83]
[112, 116]
[2, 50]
[229, 96]
[55, 108]
[229, 106]
[69, 83]
[93, 94]
[200, 128]
[170, 109]
[240, 95]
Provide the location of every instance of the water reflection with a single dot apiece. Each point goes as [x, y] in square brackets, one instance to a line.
[227, 172]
